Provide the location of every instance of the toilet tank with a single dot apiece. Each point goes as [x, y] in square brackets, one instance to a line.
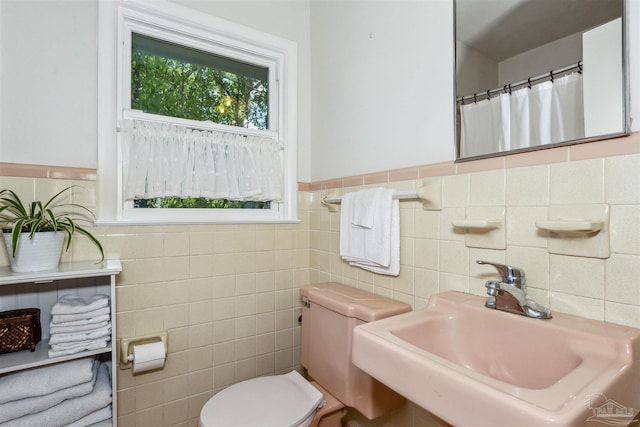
[330, 311]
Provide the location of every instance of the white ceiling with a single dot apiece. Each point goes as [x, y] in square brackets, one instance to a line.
[501, 29]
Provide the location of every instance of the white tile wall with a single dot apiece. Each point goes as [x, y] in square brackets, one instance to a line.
[439, 260]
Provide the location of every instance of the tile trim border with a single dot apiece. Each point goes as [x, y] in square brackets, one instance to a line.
[597, 149]
[51, 172]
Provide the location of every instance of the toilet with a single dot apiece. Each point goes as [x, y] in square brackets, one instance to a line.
[330, 311]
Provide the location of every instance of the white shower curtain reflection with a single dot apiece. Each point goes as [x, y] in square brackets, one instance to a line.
[482, 124]
[567, 115]
[519, 120]
[164, 160]
[548, 113]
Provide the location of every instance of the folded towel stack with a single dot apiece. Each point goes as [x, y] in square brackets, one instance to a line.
[74, 393]
[78, 324]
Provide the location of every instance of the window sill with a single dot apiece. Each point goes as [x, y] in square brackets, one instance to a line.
[139, 222]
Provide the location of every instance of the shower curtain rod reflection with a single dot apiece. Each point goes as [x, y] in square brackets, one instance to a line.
[512, 86]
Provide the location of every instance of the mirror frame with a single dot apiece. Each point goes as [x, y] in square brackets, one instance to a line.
[626, 127]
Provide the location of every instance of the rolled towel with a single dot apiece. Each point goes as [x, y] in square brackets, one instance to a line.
[72, 304]
[57, 350]
[32, 405]
[95, 417]
[45, 380]
[62, 318]
[71, 410]
[61, 328]
[98, 319]
[80, 336]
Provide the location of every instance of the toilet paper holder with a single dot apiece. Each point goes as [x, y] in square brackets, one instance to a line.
[126, 347]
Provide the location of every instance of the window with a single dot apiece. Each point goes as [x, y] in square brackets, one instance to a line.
[203, 119]
[178, 81]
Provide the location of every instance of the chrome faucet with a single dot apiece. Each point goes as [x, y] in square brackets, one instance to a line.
[510, 294]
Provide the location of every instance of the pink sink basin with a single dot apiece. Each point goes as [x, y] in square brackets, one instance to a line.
[474, 366]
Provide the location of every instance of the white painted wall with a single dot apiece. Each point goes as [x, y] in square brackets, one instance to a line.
[48, 86]
[603, 79]
[551, 56]
[381, 85]
[48, 82]
[475, 72]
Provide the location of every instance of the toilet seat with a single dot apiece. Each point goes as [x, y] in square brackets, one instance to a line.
[275, 401]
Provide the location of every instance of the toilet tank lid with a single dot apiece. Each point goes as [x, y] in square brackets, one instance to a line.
[352, 302]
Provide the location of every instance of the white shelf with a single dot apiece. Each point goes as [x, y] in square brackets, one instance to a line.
[43, 295]
[570, 226]
[578, 230]
[66, 270]
[477, 224]
[484, 227]
[25, 359]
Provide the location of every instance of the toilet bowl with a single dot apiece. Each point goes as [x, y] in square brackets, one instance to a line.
[277, 401]
[330, 312]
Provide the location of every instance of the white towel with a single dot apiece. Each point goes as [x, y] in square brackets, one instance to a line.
[364, 207]
[45, 380]
[71, 410]
[32, 405]
[82, 322]
[374, 247]
[72, 304]
[64, 328]
[63, 318]
[93, 418]
[80, 336]
[66, 349]
[70, 345]
[394, 266]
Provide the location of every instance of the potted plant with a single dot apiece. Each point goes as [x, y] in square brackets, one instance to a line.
[34, 235]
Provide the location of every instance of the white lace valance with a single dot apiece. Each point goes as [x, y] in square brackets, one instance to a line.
[165, 160]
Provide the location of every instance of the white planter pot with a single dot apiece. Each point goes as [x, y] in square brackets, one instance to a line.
[40, 253]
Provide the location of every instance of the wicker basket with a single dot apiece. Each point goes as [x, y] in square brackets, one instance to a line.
[19, 330]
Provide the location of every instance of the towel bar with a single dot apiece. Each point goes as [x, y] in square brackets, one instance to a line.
[398, 195]
[430, 194]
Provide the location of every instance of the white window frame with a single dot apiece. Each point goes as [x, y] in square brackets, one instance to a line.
[188, 27]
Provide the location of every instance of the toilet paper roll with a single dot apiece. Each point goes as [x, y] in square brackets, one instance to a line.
[147, 357]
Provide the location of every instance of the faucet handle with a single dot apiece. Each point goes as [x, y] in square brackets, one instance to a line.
[512, 275]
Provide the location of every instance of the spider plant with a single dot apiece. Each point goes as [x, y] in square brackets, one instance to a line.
[52, 215]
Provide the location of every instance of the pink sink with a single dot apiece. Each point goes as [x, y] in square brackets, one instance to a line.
[474, 366]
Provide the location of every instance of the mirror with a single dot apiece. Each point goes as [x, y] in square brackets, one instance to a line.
[532, 74]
